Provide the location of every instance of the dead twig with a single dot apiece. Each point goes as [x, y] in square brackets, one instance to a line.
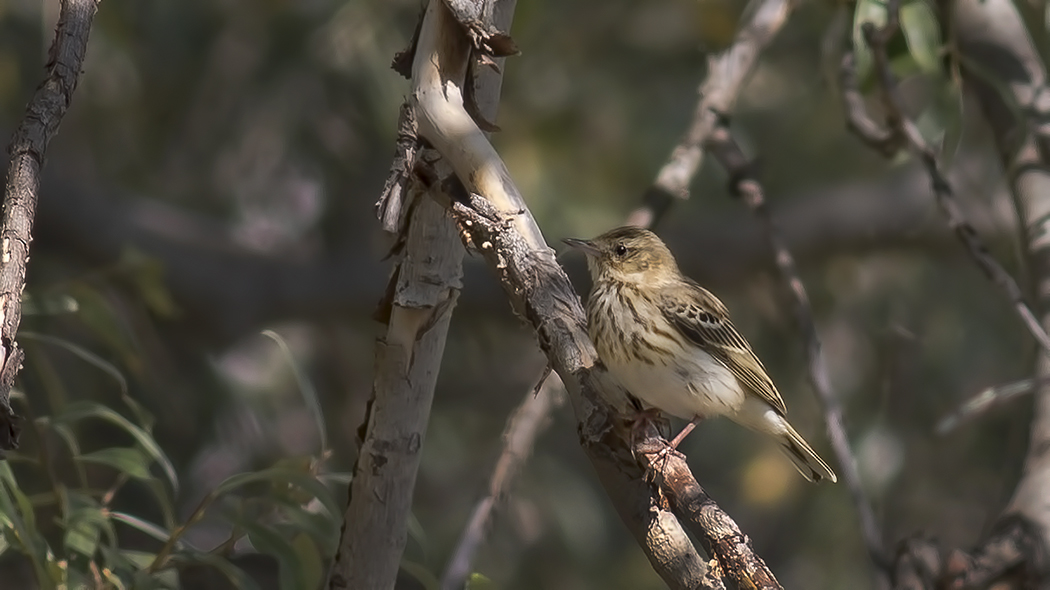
[744, 184]
[905, 132]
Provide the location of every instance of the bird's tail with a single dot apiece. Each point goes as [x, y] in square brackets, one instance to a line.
[805, 459]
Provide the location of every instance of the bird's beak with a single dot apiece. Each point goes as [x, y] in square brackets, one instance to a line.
[584, 245]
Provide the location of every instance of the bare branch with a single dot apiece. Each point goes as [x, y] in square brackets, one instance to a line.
[28, 146]
[903, 127]
[716, 530]
[987, 399]
[524, 425]
[743, 184]
[726, 74]
[417, 309]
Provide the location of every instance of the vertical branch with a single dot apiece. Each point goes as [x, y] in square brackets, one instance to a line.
[423, 291]
[28, 146]
[991, 37]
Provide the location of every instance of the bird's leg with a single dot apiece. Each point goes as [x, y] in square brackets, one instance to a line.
[677, 440]
[642, 419]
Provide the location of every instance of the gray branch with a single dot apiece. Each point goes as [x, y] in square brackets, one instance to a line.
[28, 146]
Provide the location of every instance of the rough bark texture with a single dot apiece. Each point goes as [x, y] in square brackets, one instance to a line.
[43, 116]
[992, 37]
[1002, 67]
[408, 359]
[424, 287]
[542, 294]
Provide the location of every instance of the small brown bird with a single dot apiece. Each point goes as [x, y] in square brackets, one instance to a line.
[670, 343]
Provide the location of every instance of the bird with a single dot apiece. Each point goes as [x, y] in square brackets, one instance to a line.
[672, 344]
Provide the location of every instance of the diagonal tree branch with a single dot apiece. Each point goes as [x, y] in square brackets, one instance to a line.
[28, 146]
[727, 73]
[990, 36]
[542, 294]
[743, 184]
[502, 228]
[907, 133]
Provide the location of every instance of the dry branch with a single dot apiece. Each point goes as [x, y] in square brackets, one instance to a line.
[542, 294]
[28, 146]
[417, 309]
[727, 73]
[745, 185]
[903, 131]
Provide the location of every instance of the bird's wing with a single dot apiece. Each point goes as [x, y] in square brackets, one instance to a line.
[702, 318]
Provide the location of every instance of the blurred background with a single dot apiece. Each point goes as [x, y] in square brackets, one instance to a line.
[215, 177]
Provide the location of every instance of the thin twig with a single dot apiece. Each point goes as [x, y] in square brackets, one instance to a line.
[727, 73]
[518, 438]
[744, 185]
[904, 128]
[987, 399]
[28, 146]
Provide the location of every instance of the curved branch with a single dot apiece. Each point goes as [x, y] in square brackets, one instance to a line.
[43, 116]
[743, 184]
[726, 74]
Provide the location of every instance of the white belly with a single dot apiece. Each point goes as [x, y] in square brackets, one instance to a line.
[689, 387]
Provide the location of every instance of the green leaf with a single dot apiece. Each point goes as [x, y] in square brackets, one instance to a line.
[84, 354]
[234, 574]
[306, 388]
[321, 527]
[84, 529]
[873, 11]
[48, 304]
[23, 519]
[291, 572]
[310, 558]
[156, 531]
[160, 492]
[127, 460]
[85, 409]
[84, 519]
[478, 581]
[129, 567]
[302, 479]
[923, 34]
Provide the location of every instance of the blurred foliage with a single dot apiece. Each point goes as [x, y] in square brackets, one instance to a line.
[215, 176]
[107, 518]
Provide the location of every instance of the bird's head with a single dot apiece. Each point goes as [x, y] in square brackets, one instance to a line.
[628, 255]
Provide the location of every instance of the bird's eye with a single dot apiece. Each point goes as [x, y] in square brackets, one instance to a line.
[620, 250]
